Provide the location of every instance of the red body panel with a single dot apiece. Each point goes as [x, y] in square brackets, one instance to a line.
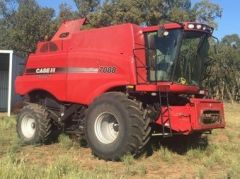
[168, 87]
[185, 119]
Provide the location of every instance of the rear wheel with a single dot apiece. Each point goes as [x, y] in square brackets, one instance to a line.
[116, 126]
[34, 125]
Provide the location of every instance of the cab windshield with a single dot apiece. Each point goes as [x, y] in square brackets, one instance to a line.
[177, 56]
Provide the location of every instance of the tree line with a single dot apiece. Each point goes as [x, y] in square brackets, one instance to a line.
[24, 22]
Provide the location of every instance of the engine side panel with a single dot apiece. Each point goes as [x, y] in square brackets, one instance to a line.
[83, 67]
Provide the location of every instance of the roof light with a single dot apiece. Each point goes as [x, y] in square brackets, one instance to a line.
[199, 26]
[190, 26]
[165, 33]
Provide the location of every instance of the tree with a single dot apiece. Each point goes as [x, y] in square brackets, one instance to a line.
[207, 12]
[150, 12]
[223, 81]
[66, 13]
[87, 6]
[25, 25]
[232, 40]
[147, 12]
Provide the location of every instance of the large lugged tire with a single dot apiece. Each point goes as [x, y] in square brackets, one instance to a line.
[33, 125]
[115, 126]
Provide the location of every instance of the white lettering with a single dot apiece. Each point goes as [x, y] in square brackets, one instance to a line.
[45, 70]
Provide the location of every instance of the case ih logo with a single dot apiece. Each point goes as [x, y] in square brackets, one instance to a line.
[45, 70]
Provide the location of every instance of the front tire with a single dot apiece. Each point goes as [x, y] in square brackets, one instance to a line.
[34, 125]
[116, 126]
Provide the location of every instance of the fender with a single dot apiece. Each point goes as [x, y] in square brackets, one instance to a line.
[103, 89]
[27, 84]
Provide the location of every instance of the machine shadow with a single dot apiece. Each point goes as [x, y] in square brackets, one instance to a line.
[179, 144]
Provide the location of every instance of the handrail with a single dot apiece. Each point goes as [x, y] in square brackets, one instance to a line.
[143, 66]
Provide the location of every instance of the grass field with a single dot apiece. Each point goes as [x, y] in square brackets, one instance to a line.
[176, 158]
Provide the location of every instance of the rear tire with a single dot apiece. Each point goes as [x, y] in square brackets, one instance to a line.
[115, 126]
[34, 125]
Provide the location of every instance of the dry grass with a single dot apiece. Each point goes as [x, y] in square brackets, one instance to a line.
[174, 159]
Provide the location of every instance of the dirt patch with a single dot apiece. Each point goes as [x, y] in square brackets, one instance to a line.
[221, 138]
[150, 167]
[3, 115]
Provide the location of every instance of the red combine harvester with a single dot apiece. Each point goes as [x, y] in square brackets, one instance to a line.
[117, 86]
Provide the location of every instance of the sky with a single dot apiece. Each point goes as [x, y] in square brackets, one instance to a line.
[227, 24]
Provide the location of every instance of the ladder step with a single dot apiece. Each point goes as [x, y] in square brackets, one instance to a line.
[162, 134]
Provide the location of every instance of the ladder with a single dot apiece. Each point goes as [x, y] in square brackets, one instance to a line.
[165, 95]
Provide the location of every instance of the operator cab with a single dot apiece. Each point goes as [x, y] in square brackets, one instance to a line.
[178, 53]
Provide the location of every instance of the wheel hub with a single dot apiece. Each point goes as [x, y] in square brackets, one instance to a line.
[33, 125]
[106, 127]
[28, 126]
[116, 127]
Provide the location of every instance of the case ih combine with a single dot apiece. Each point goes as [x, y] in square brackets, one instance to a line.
[118, 86]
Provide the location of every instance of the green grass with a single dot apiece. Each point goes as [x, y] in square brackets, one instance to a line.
[63, 167]
[9, 141]
[67, 159]
[201, 173]
[7, 122]
[65, 141]
[132, 167]
[166, 155]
